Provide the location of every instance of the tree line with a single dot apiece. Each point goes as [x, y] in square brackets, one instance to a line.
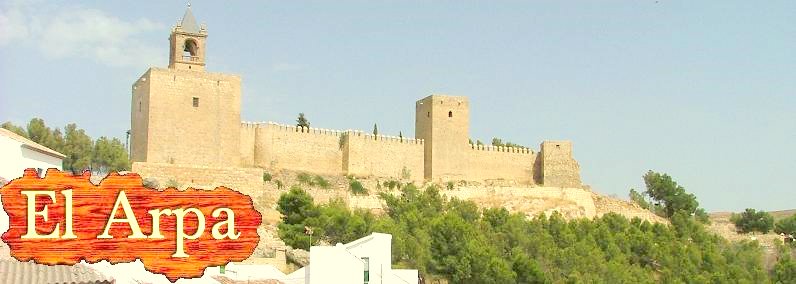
[456, 240]
[82, 152]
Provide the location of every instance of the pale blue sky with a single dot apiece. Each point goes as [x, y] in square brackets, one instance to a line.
[702, 90]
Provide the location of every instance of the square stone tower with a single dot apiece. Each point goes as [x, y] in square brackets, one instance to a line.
[558, 167]
[444, 122]
[184, 115]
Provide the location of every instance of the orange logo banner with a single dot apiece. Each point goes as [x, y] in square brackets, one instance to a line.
[61, 219]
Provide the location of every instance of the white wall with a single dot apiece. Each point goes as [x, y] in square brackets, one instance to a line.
[334, 265]
[15, 159]
[343, 263]
[379, 250]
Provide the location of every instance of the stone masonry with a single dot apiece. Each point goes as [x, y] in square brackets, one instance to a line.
[185, 118]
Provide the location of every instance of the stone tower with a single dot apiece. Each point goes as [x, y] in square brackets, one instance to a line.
[183, 114]
[443, 122]
[187, 42]
[558, 167]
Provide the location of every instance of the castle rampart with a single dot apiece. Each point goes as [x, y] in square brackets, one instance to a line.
[382, 156]
[184, 117]
[486, 162]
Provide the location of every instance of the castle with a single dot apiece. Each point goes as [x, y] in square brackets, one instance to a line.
[186, 125]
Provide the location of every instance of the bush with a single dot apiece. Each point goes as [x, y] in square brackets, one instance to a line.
[307, 179]
[357, 188]
[151, 183]
[753, 221]
[173, 183]
[266, 176]
[392, 184]
[304, 178]
[786, 225]
[321, 182]
[279, 184]
[449, 185]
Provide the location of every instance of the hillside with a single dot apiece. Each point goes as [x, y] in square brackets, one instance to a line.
[721, 225]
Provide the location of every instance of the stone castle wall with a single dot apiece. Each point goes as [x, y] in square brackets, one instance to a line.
[382, 156]
[506, 163]
[293, 148]
[245, 180]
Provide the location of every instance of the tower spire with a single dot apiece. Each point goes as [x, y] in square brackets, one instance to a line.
[188, 22]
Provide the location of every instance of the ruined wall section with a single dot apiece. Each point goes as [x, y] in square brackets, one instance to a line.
[558, 167]
[367, 155]
[298, 149]
[245, 180]
[500, 163]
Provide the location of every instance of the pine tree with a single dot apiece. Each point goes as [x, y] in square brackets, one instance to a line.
[302, 121]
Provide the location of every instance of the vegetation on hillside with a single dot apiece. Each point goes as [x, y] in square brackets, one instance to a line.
[667, 198]
[786, 225]
[82, 152]
[455, 240]
[753, 221]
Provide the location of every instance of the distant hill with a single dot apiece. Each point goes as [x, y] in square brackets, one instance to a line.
[777, 214]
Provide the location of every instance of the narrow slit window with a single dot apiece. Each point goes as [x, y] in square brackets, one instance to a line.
[195, 102]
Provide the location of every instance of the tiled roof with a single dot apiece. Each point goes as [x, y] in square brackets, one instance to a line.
[30, 144]
[15, 272]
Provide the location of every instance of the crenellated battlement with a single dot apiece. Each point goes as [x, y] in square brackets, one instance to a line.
[354, 134]
[291, 128]
[490, 148]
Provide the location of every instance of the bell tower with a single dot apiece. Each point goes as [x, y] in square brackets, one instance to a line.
[187, 42]
[183, 114]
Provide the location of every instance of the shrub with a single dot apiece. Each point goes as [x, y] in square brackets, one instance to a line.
[279, 184]
[786, 225]
[266, 176]
[752, 220]
[173, 183]
[392, 184]
[304, 178]
[321, 182]
[449, 185]
[357, 188]
[406, 173]
[151, 183]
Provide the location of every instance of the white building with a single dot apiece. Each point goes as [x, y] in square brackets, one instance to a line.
[19, 153]
[367, 260]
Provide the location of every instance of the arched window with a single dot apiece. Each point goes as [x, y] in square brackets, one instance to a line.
[450, 113]
[190, 50]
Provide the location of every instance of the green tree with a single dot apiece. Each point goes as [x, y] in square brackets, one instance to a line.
[786, 225]
[666, 193]
[77, 148]
[375, 129]
[785, 269]
[752, 220]
[109, 155]
[639, 199]
[302, 121]
[13, 128]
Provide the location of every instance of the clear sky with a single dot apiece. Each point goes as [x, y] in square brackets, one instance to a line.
[702, 90]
